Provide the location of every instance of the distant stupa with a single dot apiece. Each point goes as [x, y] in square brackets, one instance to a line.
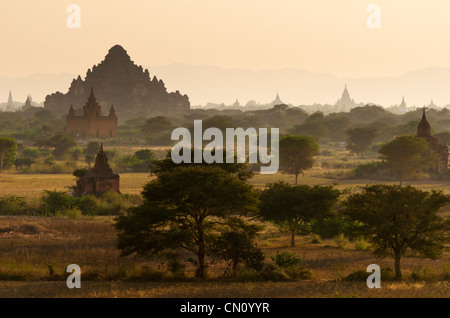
[345, 103]
[10, 100]
[276, 101]
[403, 103]
[27, 103]
[432, 105]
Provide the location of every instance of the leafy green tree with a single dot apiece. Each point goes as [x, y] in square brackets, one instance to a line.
[407, 156]
[400, 218]
[142, 161]
[360, 139]
[158, 130]
[8, 149]
[92, 148]
[23, 162]
[282, 202]
[184, 208]
[62, 144]
[241, 170]
[235, 245]
[297, 154]
[89, 160]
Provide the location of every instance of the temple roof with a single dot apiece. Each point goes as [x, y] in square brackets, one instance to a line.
[424, 129]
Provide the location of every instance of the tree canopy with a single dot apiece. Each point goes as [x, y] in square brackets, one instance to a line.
[282, 202]
[399, 218]
[297, 154]
[407, 156]
[184, 208]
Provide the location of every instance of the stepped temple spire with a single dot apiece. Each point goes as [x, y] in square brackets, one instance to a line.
[424, 128]
[100, 179]
[424, 131]
[92, 124]
[117, 79]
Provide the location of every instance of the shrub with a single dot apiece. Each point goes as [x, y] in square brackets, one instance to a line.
[362, 244]
[315, 239]
[286, 259]
[358, 276]
[71, 213]
[341, 240]
[54, 201]
[332, 227]
[12, 205]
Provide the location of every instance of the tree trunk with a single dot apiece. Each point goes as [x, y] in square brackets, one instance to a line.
[398, 272]
[293, 231]
[296, 178]
[201, 267]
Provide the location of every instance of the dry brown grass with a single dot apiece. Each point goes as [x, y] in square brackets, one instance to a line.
[32, 245]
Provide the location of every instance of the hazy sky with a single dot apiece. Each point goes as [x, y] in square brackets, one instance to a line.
[321, 36]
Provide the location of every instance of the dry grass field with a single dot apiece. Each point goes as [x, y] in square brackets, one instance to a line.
[35, 252]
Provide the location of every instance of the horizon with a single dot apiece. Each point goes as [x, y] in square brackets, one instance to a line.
[322, 38]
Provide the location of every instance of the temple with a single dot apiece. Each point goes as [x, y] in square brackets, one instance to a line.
[91, 124]
[117, 79]
[424, 131]
[345, 103]
[100, 179]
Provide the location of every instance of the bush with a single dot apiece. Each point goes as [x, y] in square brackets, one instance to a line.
[286, 259]
[362, 244]
[332, 227]
[54, 201]
[12, 205]
[358, 276]
[341, 241]
[315, 239]
[372, 170]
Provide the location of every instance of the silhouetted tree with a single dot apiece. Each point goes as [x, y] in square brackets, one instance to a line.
[183, 208]
[8, 148]
[407, 156]
[360, 139]
[297, 154]
[282, 202]
[400, 218]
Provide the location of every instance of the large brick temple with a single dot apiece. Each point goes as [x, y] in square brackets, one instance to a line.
[118, 80]
[91, 124]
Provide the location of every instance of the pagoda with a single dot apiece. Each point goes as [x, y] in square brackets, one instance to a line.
[99, 179]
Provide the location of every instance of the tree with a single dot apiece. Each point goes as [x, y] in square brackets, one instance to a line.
[62, 144]
[89, 159]
[241, 170]
[236, 245]
[399, 218]
[158, 130]
[92, 148]
[8, 148]
[359, 139]
[282, 202]
[296, 154]
[184, 208]
[407, 156]
[141, 161]
[23, 162]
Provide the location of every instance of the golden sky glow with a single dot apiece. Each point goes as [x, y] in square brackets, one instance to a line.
[320, 36]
